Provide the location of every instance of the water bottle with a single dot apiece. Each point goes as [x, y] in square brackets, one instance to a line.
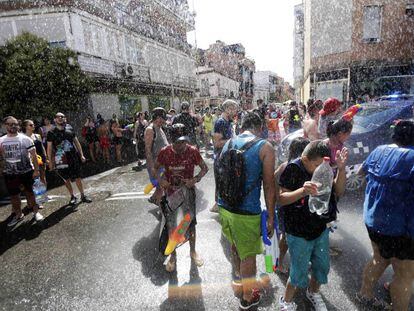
[39, 190]
[323, 177]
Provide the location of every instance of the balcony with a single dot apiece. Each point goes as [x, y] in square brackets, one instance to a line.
[184, 81]
[179, 10]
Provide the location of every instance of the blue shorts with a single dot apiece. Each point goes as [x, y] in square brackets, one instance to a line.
[302, 252]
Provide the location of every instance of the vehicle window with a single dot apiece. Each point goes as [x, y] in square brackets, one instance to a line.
[373, 117]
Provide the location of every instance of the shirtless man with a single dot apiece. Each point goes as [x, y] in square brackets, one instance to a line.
[310, 124]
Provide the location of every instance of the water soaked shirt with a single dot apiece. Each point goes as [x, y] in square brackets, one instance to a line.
[179, 166]
[389, 195]
[159, 142]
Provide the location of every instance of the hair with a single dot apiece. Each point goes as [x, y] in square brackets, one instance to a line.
[403, 133]
[316, 149]
[43, 122]
[185, 106]
[296, 147]
[228, 103]
[313, 107]
[251, 121]
[339, 126]
[24, 125]
[7, 119]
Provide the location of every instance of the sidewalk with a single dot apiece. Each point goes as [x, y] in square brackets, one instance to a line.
[88, 169]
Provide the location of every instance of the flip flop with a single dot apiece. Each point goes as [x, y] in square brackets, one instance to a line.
[198, 261]
[170, 266]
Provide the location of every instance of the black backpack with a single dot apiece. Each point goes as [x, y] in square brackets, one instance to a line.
[231, 176]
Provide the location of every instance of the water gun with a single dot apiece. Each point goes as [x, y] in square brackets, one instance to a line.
[178, 235]
[271, 245]
[153, 184]
[351, 112]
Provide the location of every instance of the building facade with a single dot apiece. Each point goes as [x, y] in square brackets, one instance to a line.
[268, 86]
[135, 51]
[298, 50]
[214, 88]
[356, 48]
[230, 61]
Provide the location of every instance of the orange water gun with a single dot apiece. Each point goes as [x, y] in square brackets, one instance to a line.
[178, 235]
[351, 112]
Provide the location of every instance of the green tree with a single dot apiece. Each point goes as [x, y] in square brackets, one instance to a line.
[38, 80]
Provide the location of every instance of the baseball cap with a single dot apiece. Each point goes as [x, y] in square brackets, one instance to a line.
[159, 112]
[178, 133]
[330, 105]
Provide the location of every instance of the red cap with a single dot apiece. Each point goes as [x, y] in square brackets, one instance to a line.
[329, 106]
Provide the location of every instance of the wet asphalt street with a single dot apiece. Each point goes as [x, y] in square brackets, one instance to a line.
[103, 255]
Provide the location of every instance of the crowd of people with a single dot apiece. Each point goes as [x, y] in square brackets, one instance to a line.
[25, 156]
[252, 135]
[243, 143]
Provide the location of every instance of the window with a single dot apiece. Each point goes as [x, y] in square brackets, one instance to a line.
[409, 10]
[112, 44]
[372, 23]
[87, 32]
[205, 87]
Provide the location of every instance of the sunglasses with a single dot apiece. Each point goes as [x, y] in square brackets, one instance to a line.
[12, 124]
[60, 117]
[31, 125]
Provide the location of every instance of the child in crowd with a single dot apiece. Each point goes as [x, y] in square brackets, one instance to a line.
[338, 133]
[306, 233]
[331, 111]
[296, 148]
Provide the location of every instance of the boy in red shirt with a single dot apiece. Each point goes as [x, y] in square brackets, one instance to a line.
[178, 161]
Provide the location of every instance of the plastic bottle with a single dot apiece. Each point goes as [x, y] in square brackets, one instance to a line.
[323, 177]
[39, 190]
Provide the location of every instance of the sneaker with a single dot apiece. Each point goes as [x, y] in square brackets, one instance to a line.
[73, 200]
[248, 305]
[286, 306]
[38, 217]
[316, 300]
[214, 209]
[85, 199]
[372, 303]
[15, 220]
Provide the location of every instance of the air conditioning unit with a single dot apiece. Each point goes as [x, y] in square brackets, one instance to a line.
[129, 70]
[124, 70]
